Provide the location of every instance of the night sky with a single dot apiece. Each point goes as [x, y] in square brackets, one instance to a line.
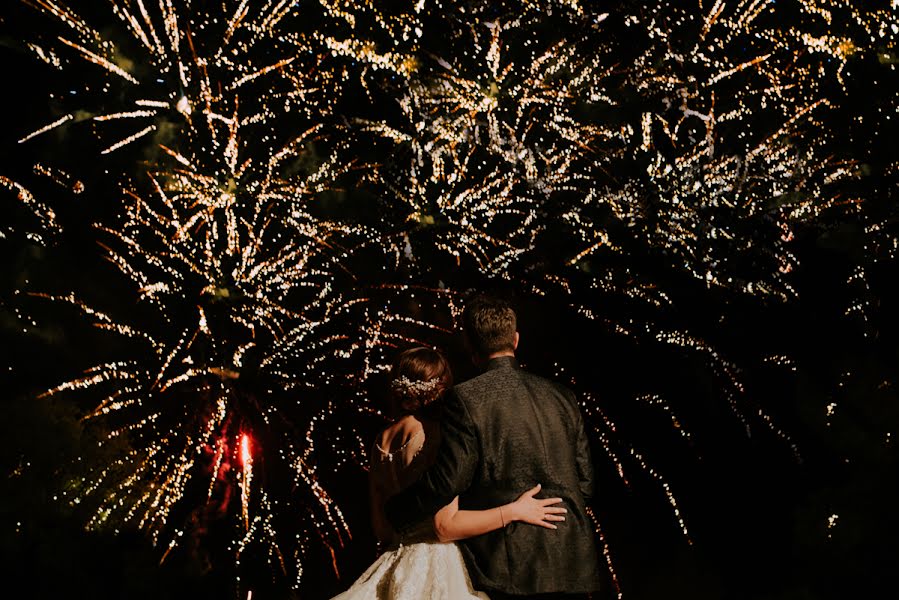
[729, 324]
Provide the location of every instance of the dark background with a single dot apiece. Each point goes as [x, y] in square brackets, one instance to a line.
[757, 513]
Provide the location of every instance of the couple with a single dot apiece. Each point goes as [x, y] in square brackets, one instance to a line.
[470, 467]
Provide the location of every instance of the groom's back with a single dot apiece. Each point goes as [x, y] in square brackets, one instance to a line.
[530, 431]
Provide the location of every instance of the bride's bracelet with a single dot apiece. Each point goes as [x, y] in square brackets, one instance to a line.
[501, 518]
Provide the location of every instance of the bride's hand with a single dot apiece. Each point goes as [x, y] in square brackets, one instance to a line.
[537, 511]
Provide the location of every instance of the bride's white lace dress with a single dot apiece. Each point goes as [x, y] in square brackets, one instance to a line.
[419, 567]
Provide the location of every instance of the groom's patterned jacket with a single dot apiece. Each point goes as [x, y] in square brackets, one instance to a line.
[503, 432]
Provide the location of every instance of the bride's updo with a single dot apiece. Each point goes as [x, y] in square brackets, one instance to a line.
[419, 377]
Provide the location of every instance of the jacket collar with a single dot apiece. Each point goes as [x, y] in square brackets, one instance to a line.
[501, 362]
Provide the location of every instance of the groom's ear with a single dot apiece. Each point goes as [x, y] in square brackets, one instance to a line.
[515, 343]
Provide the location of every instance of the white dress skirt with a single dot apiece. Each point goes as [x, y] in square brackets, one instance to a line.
[421, 568]
[419, 571]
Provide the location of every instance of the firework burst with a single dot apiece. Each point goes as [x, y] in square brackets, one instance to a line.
[617, 164]
[171, 74]
[241, 282]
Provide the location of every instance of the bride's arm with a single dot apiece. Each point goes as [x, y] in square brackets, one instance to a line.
[451, 524]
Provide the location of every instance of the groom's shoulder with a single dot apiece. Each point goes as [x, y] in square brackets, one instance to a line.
[476, 384]
[549, 385]
[482, 386]
[477, 387]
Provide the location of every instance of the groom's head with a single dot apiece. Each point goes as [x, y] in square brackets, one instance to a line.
[490, 327]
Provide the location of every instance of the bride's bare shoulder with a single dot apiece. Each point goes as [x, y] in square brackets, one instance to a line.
[399, 432]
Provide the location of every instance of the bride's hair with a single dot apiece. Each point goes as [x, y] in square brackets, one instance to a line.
[419, 377]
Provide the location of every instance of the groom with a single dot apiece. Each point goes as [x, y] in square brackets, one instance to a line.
[503, 432]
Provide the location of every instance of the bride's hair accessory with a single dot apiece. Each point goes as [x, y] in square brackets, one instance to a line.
[419, 377]
[408, 386]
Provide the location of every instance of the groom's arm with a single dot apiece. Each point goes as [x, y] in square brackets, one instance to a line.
[450, 475]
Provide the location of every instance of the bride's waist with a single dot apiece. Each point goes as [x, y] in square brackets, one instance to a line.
[422, 532]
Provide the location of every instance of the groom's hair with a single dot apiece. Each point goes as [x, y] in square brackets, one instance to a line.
[490, 324]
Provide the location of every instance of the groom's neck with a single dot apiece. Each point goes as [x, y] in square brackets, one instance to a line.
[482, 361]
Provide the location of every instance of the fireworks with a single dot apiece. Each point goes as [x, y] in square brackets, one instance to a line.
[44, 215]
[189, 71]
[225, 281]
[317, 183]
[485, 142]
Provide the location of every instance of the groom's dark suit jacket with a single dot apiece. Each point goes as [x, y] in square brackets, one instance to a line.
[504, 432]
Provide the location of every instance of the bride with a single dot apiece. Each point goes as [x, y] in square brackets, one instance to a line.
[423, 564]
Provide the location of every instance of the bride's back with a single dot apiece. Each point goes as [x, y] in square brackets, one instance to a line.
[402, 452]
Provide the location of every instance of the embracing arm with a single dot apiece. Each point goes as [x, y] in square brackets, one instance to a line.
[452, 524]
[450, 475]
